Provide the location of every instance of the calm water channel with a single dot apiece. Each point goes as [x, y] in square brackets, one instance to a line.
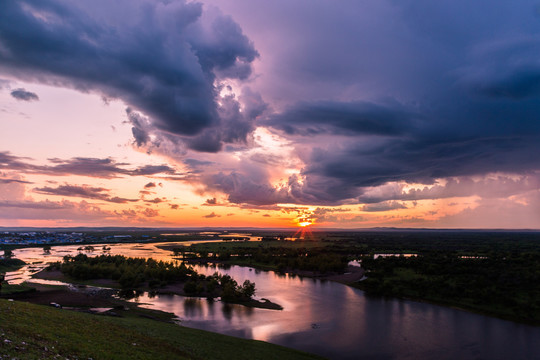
[327, 318]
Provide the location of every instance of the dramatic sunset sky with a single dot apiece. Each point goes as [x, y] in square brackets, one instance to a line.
[257, 113]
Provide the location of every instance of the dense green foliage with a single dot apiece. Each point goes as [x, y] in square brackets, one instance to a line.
[10, 264]
[493, 272]
[457, 241]
[130, 273]
[220, 285]
[276, 255]
[504, 284]
[135, 273]
[30, 331]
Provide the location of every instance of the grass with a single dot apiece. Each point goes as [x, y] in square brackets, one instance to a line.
[29, 331]
[59, 276]
[8, 289]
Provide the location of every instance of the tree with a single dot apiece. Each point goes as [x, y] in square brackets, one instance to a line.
[248, 289]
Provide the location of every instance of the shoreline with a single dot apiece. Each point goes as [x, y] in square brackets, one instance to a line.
[346, 278]
[454, 306]
[352, 275]
[171, 289]
[353, 278]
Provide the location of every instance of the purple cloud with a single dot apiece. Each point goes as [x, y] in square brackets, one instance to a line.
[162, 58]
[83, 191]
[23, 95]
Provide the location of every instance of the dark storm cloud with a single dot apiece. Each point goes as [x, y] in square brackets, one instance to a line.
[84, 191]
[436, 90]
[139, 130]
[22, 94]
[505, 69]
[518, 84]
[352, 118]
[353, 167]
[162, 58]
[236, 123]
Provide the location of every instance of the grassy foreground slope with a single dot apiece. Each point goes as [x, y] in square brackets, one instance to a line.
[29, 331]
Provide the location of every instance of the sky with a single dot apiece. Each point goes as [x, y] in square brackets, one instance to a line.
[252, 113]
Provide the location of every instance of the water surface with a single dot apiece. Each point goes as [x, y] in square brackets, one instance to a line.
[328, 318]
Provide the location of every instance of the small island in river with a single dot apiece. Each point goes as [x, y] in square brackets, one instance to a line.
[132, 275]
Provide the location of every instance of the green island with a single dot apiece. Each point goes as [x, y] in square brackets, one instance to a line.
[139, 274]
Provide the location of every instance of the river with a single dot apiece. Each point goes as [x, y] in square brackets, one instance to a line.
[327, 318]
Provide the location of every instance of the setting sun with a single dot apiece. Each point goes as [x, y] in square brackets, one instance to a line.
[304, 222]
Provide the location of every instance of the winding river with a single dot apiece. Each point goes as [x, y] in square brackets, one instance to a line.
[326, 318]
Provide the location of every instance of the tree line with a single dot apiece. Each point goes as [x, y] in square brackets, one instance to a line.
[136, 273]
[505, 283]
[281, 258]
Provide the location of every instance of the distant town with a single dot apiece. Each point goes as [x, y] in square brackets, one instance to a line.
[50, 237]
[59, 237]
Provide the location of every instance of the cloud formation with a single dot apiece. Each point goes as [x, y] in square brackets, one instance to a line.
[437, 100]
[383, 206]
[162, 58]
[417, 98]
[211, 215]
[22, 94]
[83, 191]
[106, 168]
[9, 181]
[344, 118]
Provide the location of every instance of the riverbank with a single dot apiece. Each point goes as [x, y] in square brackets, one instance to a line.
[176, 288]
[33, 331]
[352, 275]
[84, 299]
[479, 309]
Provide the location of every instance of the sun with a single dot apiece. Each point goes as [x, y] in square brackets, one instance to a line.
[304, 223]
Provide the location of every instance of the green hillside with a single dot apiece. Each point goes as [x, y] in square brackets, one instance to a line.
[29, 331]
